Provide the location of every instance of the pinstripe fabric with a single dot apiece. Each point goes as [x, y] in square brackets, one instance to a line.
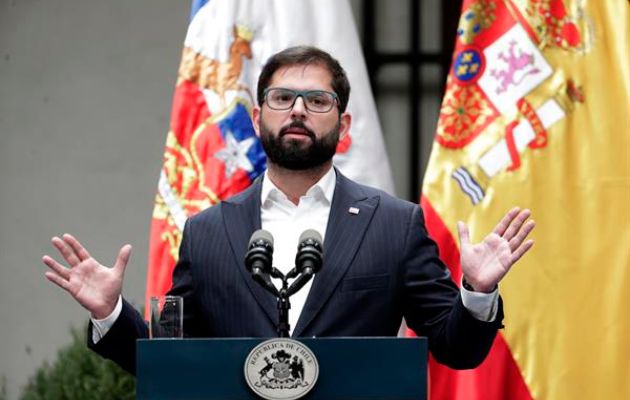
[379, 265]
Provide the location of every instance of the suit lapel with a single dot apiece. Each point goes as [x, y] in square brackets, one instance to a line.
[344, 234]
[241, 217]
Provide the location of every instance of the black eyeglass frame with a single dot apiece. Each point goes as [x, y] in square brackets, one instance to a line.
[303, 94]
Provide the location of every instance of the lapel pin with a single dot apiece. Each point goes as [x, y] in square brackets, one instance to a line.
[353, 210]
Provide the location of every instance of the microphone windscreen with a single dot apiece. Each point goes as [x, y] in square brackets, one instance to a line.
[311, 234]
[261, 234]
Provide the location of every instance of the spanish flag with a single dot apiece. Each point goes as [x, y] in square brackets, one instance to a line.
[537, 114]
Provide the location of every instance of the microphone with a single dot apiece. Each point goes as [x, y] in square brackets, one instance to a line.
[258, 259]
[308, 260]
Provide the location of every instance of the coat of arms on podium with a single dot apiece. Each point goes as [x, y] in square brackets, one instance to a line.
[281, 369]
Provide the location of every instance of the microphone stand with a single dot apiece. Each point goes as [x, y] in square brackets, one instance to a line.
[283, 310]
[282, 297]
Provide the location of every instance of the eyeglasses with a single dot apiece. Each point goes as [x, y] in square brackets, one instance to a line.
[318, 101]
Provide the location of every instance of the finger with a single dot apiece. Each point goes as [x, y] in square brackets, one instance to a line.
[66, 252]
[58, 268]
[57, 280]
[464, 234]
[516, 241]
[522, 250]
[505, 221]
[76, 246]
[123, 258]
[515, 225]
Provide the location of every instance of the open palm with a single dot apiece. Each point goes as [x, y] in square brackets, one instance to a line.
[93, 285]
[486, 263]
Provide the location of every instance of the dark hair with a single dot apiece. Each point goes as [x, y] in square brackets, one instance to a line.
[306, 55]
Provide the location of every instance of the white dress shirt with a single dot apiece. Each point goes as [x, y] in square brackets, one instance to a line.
[286, 222]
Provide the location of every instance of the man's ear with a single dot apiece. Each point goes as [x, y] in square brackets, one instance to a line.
[256, 111]
[345, 120]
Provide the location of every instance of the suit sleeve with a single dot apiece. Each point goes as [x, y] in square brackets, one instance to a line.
[119, 343]
[433, 306]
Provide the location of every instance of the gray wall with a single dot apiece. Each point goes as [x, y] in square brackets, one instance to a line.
[85, 96]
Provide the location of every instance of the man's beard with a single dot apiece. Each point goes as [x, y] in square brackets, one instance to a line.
[297, 155]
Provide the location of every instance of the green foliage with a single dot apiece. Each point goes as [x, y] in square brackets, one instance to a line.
[3, 388]
[79, 374]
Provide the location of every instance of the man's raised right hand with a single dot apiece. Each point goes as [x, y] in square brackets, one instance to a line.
[95, 286]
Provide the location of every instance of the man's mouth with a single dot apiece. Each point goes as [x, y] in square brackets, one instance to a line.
[297, 131]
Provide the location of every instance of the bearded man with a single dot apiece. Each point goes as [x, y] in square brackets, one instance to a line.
[379, 263]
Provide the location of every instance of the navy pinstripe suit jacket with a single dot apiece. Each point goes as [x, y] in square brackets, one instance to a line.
[379, 266]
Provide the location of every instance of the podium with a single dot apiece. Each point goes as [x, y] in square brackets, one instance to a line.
[349, 368]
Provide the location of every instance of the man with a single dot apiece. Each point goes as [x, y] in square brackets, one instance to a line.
[379, 264]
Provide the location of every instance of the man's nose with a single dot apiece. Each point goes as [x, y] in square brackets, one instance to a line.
[299, 108]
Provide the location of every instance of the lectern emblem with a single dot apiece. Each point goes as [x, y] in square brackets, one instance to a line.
[281, 369]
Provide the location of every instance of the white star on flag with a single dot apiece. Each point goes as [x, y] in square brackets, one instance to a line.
[234, 154]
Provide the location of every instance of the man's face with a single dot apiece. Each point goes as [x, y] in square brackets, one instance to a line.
[297, 138]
